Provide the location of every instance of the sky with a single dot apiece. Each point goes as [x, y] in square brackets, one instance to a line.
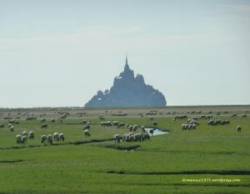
[60, 53]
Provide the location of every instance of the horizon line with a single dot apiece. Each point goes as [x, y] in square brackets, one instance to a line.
[103, 108]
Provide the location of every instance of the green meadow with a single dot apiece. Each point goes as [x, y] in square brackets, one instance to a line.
[208, 159]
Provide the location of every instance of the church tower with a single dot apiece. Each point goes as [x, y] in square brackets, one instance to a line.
[126, 68]
[127, 73]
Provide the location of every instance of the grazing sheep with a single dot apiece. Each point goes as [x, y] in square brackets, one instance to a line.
[10, 125]
[56, 136]
[180, 117]
[25, 133]
[145, 136]
[211, 122]
[224, 122]
[21, 139]
[64, 116]
[214, 122]
[31, 135]
[115, 123]
[61, 137]
[127, 137]
[117, 138]
[194, 121]
[238, 128]
[130, 127]
[188, 126]
[50, 139]
[86, 132]
[13, 121]
[84, 122]
[18, 138]
[244, 116]
[121, 125]
[184, 126]
[101, 118]
[106, 123]
[138, 137]
[130, 137]
[234, 115]
[86, 127]
[151, 113]
[12, 128]
[155, 123]
[44, 126]
[44, 139]
[193, 125]
[143, 129]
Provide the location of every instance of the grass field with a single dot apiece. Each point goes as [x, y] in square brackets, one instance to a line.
[203, 160]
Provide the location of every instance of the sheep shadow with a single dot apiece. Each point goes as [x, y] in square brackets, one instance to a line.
[10, 161]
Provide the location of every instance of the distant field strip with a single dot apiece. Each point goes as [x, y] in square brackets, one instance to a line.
[195, 172]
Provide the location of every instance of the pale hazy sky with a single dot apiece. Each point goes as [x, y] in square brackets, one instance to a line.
[59, 53]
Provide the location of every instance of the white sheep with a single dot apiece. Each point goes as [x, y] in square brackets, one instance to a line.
[25, 133]
[12, 128]
[138, 137]
[238, 128]
[44, 139]
[145, 136]
[56, 136]
[50, 139]
[117, 138]
[18, 138]
[21, 139]
[61, 137]
[86, 132]
[128, 137]
[31, 135]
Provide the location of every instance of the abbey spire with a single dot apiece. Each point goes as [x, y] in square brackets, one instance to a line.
[126, 68]
[127, 72]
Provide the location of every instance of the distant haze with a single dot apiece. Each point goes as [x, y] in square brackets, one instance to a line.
[60, 53]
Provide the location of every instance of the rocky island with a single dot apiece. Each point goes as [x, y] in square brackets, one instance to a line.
[128, 90]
